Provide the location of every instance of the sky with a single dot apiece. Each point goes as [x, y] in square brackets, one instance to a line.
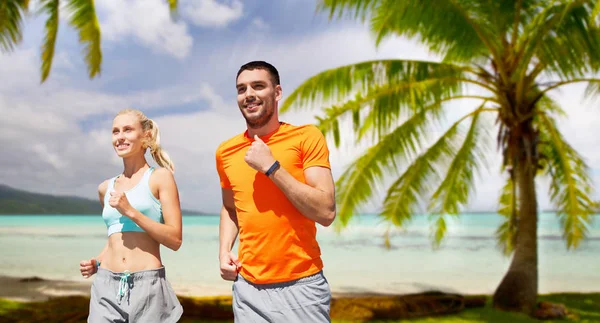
[56, 136]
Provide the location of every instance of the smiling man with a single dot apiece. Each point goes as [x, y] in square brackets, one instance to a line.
[276, 185]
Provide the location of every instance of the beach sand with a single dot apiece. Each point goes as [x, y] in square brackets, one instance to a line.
[35, 289]
[40, 300]
[73, 298]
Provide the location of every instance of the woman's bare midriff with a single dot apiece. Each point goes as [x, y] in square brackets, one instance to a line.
[133, 251]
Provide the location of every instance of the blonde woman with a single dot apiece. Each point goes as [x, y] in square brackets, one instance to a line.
[141, 211]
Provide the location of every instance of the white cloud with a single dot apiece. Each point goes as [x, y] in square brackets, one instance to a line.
[260, 24]
[44, 149]
[211, 13]
[18, 63]
[49, 156]
[147, 22]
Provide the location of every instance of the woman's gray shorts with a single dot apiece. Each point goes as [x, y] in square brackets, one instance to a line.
[303, 300]
[141, 296]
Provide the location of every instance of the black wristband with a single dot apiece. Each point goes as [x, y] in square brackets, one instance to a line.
[272, 168]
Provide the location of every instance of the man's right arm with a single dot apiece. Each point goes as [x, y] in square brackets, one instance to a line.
[228, 231]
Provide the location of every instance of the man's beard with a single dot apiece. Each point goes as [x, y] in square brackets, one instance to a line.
[261, 119]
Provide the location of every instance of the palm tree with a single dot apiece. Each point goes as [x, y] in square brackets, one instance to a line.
[508, 56]
[82, 18]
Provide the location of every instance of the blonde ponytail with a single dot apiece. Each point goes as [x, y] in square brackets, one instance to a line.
[158, 154]
[152, 142]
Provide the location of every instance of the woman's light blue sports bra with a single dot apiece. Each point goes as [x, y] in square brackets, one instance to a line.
[140, 197]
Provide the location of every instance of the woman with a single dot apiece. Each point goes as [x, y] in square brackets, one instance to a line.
[141, 211]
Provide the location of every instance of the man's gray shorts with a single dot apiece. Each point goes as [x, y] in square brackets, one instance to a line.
[303, 300]
[143, 296]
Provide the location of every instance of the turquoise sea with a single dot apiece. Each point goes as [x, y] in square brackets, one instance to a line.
[355, 260]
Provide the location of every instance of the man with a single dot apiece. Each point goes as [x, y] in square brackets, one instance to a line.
[276, 185]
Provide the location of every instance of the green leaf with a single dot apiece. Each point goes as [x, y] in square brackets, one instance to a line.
[11, 23]
[51, 7]
[354, 8]
[385, 105]
[506, 233]
[596, 13]
[548, 106]
[84, 20]
[439, 230]
[457, 186]
[561, 39]
[570, 182]
[341, 84]
[453, 28]
[459, 29]
[354, 186]
[404, 195]
[593, 88]
[389, 107]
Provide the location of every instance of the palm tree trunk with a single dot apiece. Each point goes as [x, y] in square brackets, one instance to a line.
[518, 289]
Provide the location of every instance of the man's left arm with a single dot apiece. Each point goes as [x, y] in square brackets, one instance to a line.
[315, 199]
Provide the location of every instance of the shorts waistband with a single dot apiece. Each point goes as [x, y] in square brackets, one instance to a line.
[136, 275]
[300, 281]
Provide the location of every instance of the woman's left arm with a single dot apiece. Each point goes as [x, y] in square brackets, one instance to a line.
[168, 234]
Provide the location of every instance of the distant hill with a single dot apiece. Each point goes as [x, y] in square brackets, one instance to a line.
[14, 201]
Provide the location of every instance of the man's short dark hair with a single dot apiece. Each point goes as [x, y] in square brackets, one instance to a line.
[261, 65]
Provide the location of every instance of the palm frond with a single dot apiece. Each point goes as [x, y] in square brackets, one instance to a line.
[353, 8]
[596, 13]
[462, 30]
[506, 233]
[455, 189]
[404, 195]
[562, 40]
[51, 8]
[549, 106]
[593, 88]
[380, 108]
[84, 20]
[438, 230]
[570, 182]
[11, 23]
[342, 83]
[355, 185]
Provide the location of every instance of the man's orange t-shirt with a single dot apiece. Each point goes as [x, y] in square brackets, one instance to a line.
[276, 242]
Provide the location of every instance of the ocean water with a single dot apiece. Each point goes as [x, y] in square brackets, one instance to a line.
[355, 260]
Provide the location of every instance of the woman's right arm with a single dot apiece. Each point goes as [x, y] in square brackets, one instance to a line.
[90, 267]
